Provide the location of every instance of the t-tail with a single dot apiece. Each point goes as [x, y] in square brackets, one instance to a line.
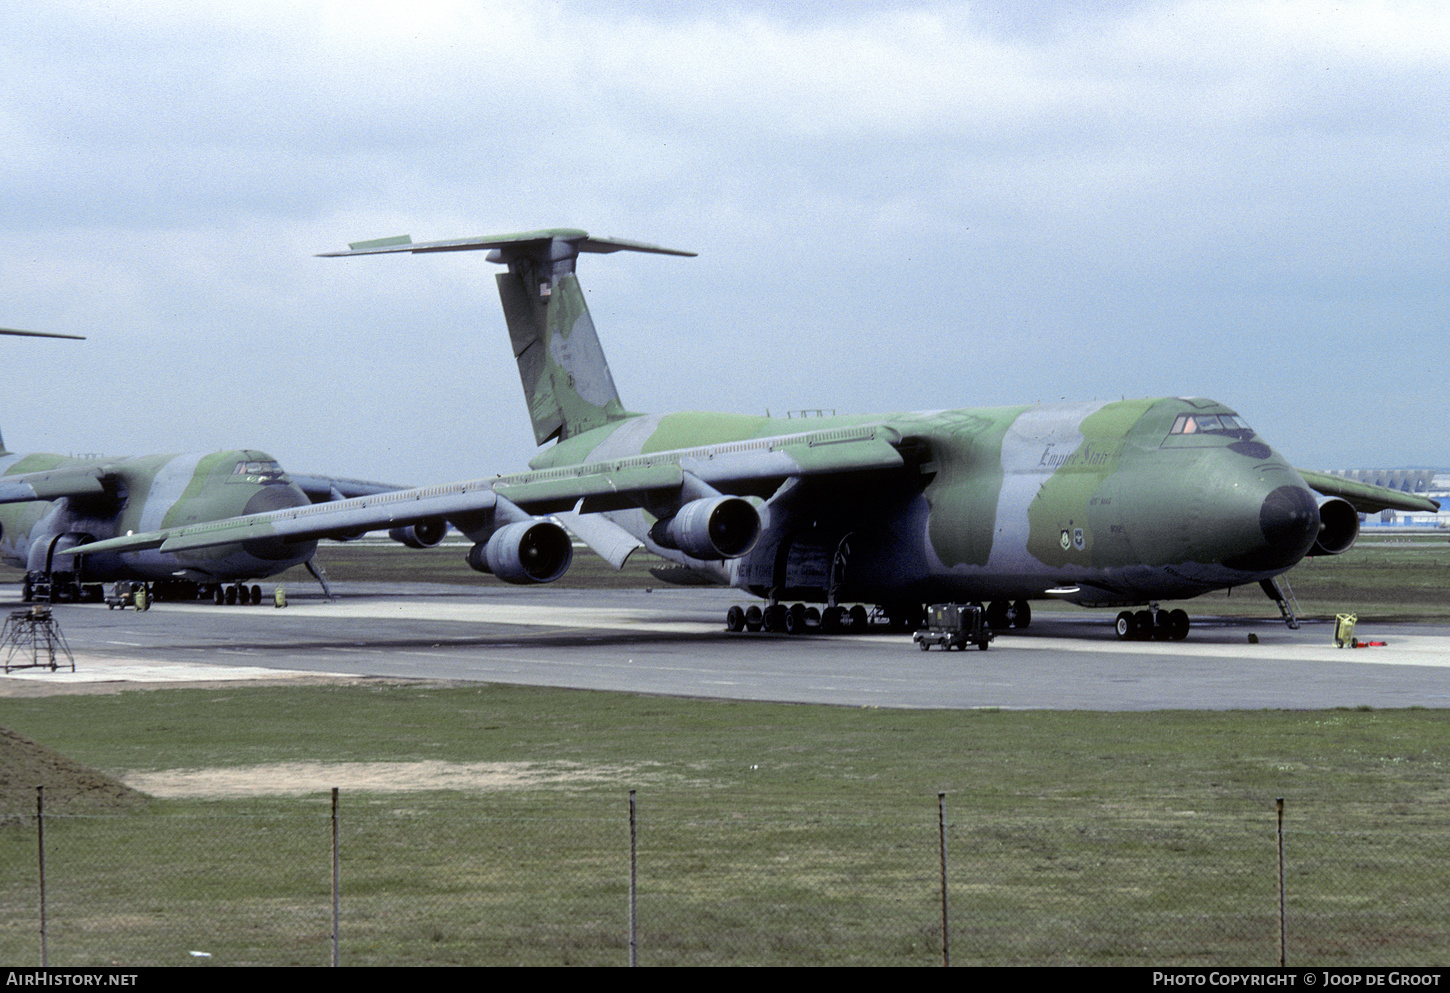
[566, 379]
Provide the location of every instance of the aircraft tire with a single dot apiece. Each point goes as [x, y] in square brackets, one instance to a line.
[1023, 614]
[1143, 624]
[256, 596]
[1125, 626]
[1178, 625]
[832, 619]
[735, 619]
[754, 619]
[859, 619]
[219, 596]
[795, 619]
[774, 618]
[999, 615]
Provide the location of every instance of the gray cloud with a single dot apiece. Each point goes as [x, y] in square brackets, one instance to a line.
[896, 206]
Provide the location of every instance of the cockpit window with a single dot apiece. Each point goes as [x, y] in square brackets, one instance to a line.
[1200, 423]
[258, 472]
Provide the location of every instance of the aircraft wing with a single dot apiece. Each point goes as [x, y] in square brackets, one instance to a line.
[1367, 498]
[322, 520]
[591, 487]
[325, 489]
[52, 484]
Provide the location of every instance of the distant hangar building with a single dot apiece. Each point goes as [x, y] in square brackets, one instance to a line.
[1432, 483]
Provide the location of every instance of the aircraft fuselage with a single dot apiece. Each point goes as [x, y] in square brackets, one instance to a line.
[145, 494]
[1100, 504]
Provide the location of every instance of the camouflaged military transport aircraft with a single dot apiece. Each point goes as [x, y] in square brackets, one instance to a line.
[53, 506]
[1116, 505]
[53, 503]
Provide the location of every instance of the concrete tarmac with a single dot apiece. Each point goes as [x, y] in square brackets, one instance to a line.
[673, 642]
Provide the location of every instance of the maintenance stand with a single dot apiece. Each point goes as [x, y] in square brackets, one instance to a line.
[35, 635]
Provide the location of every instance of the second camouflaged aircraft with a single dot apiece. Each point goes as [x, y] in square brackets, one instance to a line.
[1123, 504]
[52, 507]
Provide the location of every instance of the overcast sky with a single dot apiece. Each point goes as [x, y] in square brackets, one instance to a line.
[897, 206]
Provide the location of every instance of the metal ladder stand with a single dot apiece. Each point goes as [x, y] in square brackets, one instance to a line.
[1278, 590]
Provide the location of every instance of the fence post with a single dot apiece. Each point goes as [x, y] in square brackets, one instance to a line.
[334, 878]
[941, 818]
[40, 841]
[1283, 928]
[633, 920]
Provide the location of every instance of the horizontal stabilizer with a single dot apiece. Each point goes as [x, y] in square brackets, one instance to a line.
[577, 240]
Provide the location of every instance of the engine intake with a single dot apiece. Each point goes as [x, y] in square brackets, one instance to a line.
[526, 552]
[424, 534]
[723, 527]
[1338, 526]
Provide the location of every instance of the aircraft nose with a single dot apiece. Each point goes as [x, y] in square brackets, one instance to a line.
[1288, 524]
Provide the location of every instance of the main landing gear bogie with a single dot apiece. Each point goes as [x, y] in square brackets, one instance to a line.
[238, 594]
[797, 619]
[901, 618]
[1152, 625]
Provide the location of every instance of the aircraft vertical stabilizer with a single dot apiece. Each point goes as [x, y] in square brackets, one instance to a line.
[566, 379]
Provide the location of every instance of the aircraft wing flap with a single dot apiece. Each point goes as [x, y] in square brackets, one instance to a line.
[606, 539]
[604, 488]
[52, 484]
[1366, 497]
[320, 520]
[849, 455]
[815, 453]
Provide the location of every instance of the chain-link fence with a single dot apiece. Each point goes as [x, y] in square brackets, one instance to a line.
[533, 879]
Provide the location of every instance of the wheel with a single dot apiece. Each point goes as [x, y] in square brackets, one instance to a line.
[256, 596]
[230, 596]
[998, 615]
[983, 643]
[921, 643]
[219, 596]
[1143, 624]
[813, 616]
[795, 619]
[1125, 626]
[775, 617]
[1178, 625]
[754, 619]
[1022, 614]
[859, 619]
[832, 619]
[1161, 630]
[735, 619]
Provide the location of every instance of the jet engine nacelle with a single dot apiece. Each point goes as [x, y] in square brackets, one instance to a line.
[536, 551]
[722, 527]
[1338, 526]
[424, 534]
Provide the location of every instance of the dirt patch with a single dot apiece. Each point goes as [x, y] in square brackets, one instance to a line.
[70, 788]
[298, 778]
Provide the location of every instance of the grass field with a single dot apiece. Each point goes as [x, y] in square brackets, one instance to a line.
[769, 833]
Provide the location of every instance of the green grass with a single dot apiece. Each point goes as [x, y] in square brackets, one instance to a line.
[770, 833]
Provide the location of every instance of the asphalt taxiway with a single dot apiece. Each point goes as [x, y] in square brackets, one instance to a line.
[673, 642]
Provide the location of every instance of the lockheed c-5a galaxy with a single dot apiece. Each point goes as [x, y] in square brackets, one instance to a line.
[52, 507]
[1119, 505]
